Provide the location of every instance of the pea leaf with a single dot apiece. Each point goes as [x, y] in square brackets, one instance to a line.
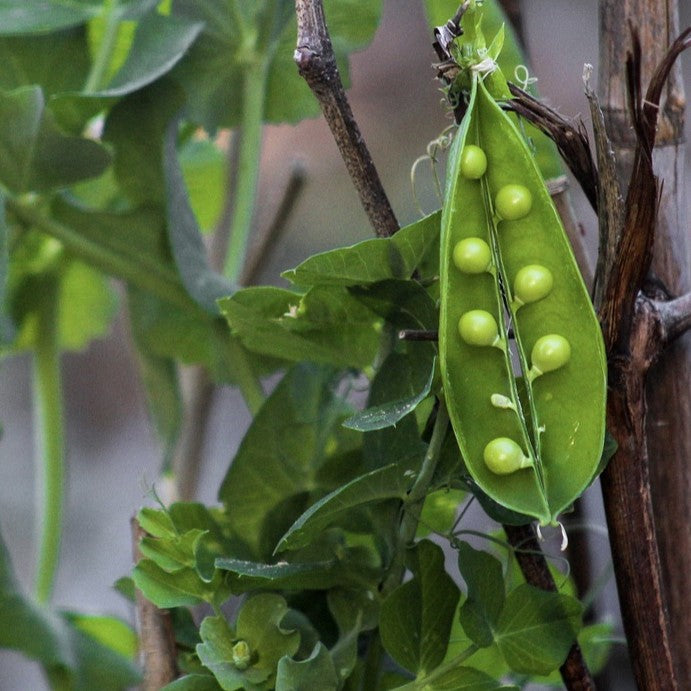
[6, 325]
[372, 260]
[35, 155]
[74, 650]
[159, 43]
[203, 284]
[292, 440]
[536, 629]
[41, 16]
[388, 414]
[464, 678]
[159, 376]
[317, 671]
[194, 682]
[182, 588]
[485, 582]
[385, 483]
[259, 627]
[403, 304]
[214, 70]
[416, 618]
[135, 127]
[439, 511]
[325, 325]
[399, 375]
[320, 575]
[58, 61]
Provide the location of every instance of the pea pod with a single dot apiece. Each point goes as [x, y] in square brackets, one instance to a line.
[528, 414]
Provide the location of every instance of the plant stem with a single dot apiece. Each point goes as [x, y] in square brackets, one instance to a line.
[441, 670]
[415, 499]
[145, 275]
[250, 143]
[101, 63]
[49, 453]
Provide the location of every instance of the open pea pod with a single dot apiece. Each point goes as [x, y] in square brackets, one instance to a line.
[528, 411]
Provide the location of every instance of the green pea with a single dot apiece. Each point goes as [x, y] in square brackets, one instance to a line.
[549, 353]
[532, 283]
[513, 202]
[503, 456]
[472, 256]
[473, 162]
[478, 328]
[555, 424]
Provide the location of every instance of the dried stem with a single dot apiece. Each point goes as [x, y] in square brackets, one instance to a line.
[632, 327]
[156, 638]
[574, 671]
[316, 63]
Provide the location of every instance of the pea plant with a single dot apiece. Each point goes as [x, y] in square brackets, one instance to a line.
[458, 360]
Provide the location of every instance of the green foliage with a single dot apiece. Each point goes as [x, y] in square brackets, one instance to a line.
[110, 169]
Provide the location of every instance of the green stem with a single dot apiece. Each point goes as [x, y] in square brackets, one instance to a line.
[49, 452]
[145, 275]
[416, 497]
[101, 63]
[438, 672]
[250, 143]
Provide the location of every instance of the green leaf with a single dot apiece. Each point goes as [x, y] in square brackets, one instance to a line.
[156, 522]
[248, 657]
[111, 632]
[76, 652]
[399, 375]
[536, 629]
[388, 414]
[41, 16]
[372, 260]
[204, 170]
[466, 679]
[35, 156]
[180, 589]
[403, 304]
[203, 284]
[57, 62]
[172, 554]
[439, 511]
[292, 438]
[325, 325]
[159, 43]
[316, 672]
[284, 575]
[7, 332]
[416, 618]
[159, 376]
[353, 611]
[214, 70]
[135, 127]
[379, 485]
[85, 302]
[193, 682]
[485, 582]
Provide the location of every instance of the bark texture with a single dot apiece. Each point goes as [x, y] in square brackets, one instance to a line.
[669, 383]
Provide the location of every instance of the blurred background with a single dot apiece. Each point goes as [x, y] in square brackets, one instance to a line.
[113, 456]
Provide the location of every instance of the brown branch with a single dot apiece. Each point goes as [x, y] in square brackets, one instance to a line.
[675, 317]
[270, 237]
[633, 332]
[574, 671]
[316, 63]
[156, 638]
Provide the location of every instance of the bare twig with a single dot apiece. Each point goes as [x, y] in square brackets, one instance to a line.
[271, 235]
[574, 671]
[675, 316]
[156, 639]
[316, 63]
